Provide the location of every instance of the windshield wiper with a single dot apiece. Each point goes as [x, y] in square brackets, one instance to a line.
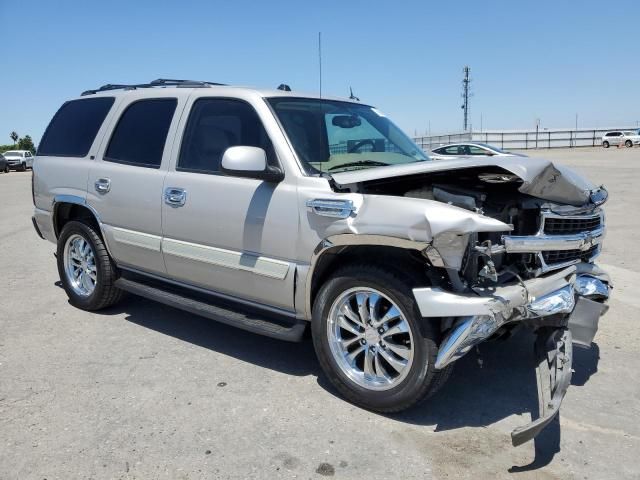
[371, 163]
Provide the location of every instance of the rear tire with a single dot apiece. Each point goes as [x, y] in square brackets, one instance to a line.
[98, 291]
[605, 144]
[628, 144]
[382, 386]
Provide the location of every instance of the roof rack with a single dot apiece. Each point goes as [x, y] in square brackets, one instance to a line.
[160, 82]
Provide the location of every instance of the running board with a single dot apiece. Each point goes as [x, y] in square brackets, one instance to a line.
[252, 320]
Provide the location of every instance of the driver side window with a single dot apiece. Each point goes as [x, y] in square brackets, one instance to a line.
[216, 124]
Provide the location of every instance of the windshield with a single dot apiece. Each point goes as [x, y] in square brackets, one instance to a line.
[13, 153]
[333, 136]
[629, 134]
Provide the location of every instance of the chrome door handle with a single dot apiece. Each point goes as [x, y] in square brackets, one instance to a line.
[102, 185]
[331, 207]
[176, 197]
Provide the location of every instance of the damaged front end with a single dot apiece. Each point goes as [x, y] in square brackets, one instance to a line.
[533, 266]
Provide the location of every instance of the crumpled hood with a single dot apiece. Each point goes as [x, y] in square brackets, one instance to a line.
[542, 178]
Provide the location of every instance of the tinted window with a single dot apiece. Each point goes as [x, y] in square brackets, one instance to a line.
[216, 124]
[473, 150]
[141, 133]
[457, 150]
[74, 127]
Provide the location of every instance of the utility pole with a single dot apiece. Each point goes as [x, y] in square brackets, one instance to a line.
[466, 93]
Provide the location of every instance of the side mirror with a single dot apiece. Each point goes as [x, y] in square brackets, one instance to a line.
[249, 162]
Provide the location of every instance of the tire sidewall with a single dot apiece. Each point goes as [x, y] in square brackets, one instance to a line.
[605, 144]
[425, 348]
[78, 228]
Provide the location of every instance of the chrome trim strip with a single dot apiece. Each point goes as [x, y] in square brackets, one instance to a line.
[136, 239]
[543, 243]
[213, 293]
[256, 264]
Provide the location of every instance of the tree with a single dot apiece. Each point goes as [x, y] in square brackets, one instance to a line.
[14, 136]
[26, 143]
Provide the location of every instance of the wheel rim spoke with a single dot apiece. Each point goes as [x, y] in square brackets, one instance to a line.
[348, 326]
[396, 329]
[368, 362]
[363, 310]
[395, 363]
[399, 350]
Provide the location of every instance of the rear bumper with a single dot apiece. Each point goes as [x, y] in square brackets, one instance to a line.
[43, 224]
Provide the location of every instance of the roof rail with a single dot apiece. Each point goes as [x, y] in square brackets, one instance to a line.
[160, 82]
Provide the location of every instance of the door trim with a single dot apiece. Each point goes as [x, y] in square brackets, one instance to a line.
[259, 265]
[137, 239]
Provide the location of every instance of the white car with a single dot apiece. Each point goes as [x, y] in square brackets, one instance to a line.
[19, 159]
[456, 150]
[627, 138]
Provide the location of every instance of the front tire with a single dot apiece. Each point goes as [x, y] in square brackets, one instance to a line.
[371, 341]
[628, 144]
[86, 270]
[605, 144]
[23, 167]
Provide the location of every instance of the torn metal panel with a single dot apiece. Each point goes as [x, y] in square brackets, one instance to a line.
[554, 356]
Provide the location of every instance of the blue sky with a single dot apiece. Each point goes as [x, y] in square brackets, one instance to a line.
[543, 59]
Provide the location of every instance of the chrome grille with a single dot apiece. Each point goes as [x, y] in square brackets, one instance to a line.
[568, 226]
[562, 256]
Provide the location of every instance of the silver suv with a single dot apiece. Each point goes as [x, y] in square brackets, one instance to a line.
[275, 211]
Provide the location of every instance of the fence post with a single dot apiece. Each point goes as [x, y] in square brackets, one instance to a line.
[549, 138]
[502, 140]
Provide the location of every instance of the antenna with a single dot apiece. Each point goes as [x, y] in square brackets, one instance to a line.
[320, 61]
[466, 93]
[352, 96]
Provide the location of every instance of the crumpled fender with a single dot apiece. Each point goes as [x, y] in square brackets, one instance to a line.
[417, 219]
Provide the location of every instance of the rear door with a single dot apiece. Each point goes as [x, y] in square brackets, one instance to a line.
[125, 183]
[235, 236]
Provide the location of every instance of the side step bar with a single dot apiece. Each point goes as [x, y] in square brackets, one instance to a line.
[255, 321]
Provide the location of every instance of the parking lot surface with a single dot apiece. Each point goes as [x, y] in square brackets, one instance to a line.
[143, 391]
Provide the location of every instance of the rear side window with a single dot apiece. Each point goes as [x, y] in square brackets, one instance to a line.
[74, 127]
[141, 133]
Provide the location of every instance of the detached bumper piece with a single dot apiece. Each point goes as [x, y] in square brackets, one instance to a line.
[554, 356]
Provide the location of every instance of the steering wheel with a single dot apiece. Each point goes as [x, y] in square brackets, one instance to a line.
[358, 145]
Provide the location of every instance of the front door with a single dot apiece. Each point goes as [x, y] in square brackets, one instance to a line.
[235, 236]
[125, 183]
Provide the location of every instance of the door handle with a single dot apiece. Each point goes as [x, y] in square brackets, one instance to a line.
[102, 185]
[176, 197]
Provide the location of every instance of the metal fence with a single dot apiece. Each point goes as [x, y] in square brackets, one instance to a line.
[524, 139]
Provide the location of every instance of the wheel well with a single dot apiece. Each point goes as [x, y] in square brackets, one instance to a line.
[65, 212]
[407, 262]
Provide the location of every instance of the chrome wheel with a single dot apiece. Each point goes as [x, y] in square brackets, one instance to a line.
[80, 265]
[370, 338]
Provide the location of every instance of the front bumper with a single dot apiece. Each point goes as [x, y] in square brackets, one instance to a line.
[577, 292]
[482, 313]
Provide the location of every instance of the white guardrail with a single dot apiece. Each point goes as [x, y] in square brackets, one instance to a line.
[523, 139]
